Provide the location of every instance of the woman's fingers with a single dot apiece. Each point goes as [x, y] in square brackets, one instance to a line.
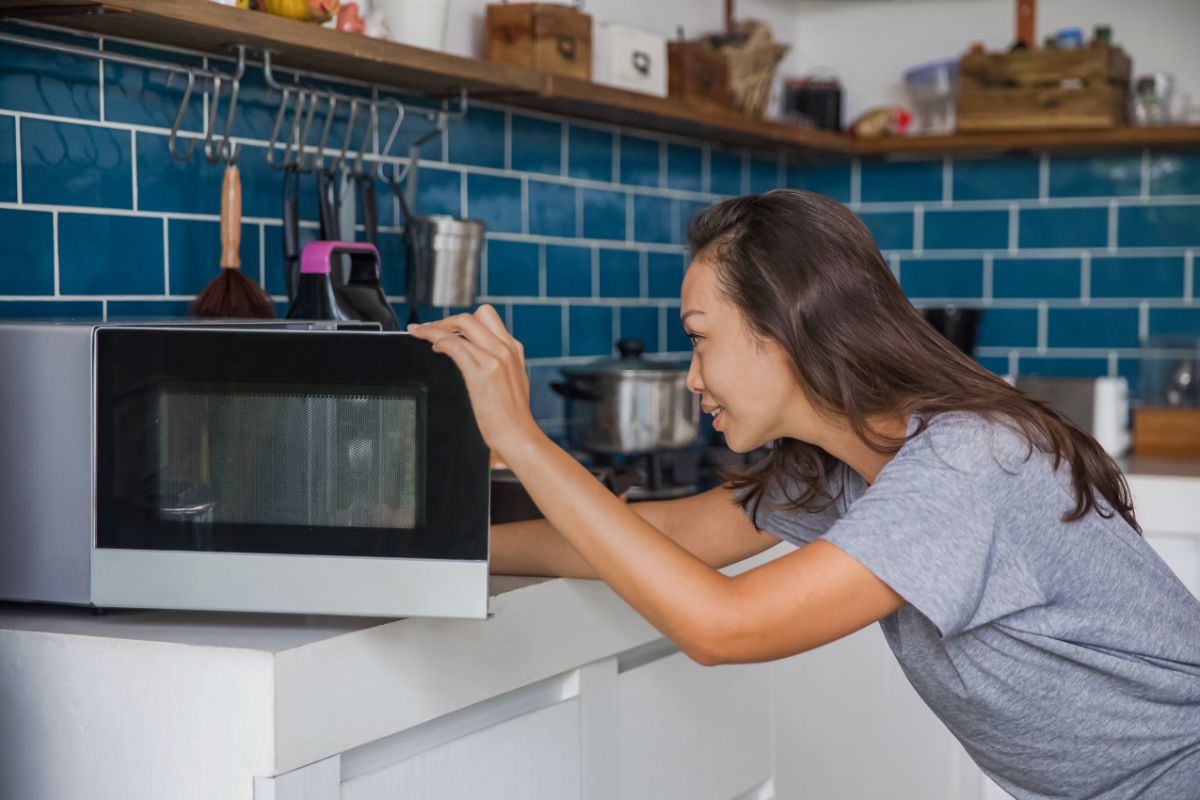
[477, 333]
[457, 347]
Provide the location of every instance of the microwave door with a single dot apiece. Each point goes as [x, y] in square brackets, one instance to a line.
[300, 479]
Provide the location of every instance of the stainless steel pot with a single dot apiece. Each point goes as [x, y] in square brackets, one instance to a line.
[629, 405]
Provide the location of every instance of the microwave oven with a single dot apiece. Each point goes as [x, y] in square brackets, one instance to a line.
[290, 467]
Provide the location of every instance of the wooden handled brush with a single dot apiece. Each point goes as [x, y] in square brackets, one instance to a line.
[232, 294]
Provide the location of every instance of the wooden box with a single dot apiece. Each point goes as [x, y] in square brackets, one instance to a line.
[698, 74]
[1081, 88]
[1166, 432]
[542, 36]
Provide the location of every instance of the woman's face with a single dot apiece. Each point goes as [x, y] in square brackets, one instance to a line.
[746, 382]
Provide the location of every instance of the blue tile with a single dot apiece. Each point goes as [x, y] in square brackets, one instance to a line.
[109, 255]
[995, 179]
[1175, 173]
[1131, 370]
[1174, 322]
[1085, 176]
[664, 274]
[589, 154]
[1159, 226]
[966, 230]
[942, 277]
[45, 82]
[620, 273]
[27, 258]
[439, 191]
[539, 329]
[536, 145]
[1007, 327]
[688, 211]
[591, 331]
[8, 159]
[997, 366]
[764, 175]
[75, 165]
[639, 322]
[1093, 327]
[512, 269]
[892, 230]
[677, 341]
[193, 187]
[393, 263]
[568, 271]
[639, 161]
[141, 96]
[831, 180]
[684, 167]
[1035, 278]
[496, 201]
[158, 309]
[1062, 367]
[273, 256]
[43, 309]
[1063, 227]
[551, 209]
[1134, 277]
[885, 182]
[725, 172]
[194, 254]
[603, 214]
[652, 220]
[543, 402]
[478, 139]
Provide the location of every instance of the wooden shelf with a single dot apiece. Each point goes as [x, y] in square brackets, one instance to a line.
[209, 27]
[1116, 138]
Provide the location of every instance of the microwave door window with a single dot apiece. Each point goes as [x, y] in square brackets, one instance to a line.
[285, 457]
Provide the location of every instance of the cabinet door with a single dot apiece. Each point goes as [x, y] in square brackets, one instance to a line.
[533, 757]
[689, 732]
[849, 724]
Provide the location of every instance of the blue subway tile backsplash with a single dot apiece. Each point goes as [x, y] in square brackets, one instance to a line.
[1073, 259]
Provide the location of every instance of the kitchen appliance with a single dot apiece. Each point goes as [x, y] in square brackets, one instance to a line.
[1099, 406]
[324, 468]
[629, 405]
[959, 325]
[814, 100]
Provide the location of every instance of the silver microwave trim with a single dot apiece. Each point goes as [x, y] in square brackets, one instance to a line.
[292, 584]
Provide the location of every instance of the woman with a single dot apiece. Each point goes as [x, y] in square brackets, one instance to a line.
[995, 543]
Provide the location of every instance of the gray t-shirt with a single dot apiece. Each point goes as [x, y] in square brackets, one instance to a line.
[1064, 656]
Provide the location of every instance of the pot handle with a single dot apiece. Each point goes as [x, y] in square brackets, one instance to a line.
[631, 348]
[573, 391]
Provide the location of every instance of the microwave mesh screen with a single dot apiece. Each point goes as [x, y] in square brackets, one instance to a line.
[290, 457]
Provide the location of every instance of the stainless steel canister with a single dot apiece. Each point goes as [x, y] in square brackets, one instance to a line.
[445, 252]
[629, 404]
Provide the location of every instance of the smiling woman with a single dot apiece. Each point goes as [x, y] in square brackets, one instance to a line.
[993, 541]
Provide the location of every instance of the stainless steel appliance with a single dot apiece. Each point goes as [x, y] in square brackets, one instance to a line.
[290, 467]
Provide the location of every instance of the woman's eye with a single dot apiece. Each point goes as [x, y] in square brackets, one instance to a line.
[695, 338]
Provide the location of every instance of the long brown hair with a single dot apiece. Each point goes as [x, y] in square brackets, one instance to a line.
[803, 270]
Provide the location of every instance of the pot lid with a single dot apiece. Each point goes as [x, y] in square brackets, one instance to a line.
[630, 361]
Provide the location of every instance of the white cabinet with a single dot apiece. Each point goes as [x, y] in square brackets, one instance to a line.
[848, 724]
[534, 757]
[689, 732]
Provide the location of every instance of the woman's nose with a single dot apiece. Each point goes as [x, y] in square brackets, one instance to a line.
[693, 381]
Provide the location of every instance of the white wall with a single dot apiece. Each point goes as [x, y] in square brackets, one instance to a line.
[869, 43]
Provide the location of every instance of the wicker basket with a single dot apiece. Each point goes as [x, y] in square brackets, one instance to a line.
[752, 58]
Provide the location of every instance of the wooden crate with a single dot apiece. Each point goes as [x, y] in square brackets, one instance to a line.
[1166, 432]
[699, 75]
[1078, 89]
[543, 36]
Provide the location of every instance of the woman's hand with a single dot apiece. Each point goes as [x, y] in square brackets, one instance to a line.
[493, 365]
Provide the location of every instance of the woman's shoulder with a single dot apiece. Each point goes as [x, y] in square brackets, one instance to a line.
[970, 441]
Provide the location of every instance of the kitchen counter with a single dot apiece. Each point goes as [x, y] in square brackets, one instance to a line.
[213, 700]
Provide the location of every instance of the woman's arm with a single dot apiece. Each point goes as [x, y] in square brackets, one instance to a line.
[708, 525]
[789, 605]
